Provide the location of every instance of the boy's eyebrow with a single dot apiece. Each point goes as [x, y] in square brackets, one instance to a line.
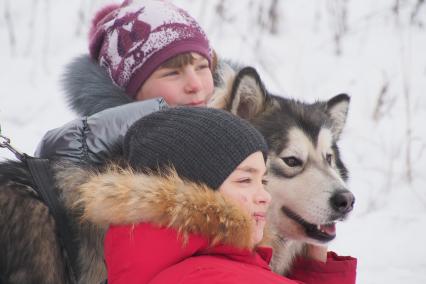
[200, 58]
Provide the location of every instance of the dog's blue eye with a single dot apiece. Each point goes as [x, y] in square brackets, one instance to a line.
[292, 161]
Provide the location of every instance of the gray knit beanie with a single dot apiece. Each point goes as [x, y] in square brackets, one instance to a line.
[203, 145]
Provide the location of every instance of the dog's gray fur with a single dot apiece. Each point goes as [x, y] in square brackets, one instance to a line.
[29, 247]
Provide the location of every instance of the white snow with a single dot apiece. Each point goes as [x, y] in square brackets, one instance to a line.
[379, 52]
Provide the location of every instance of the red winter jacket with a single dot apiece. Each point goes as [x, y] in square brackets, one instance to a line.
[148, 254]
[186, 233]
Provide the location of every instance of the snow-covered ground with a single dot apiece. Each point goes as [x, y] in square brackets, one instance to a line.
[380, 64]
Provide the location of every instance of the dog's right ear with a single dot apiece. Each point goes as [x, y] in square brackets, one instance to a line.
[248, 95]
[337, 110]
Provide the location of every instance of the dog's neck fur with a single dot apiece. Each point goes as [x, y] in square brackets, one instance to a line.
[285, 252]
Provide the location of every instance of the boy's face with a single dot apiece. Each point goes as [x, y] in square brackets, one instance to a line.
[189, 85]
[245, 186]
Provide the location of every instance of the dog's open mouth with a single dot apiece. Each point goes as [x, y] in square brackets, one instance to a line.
[321, 232]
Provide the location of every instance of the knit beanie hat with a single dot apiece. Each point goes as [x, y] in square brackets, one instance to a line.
[132, 40]
[203, 145]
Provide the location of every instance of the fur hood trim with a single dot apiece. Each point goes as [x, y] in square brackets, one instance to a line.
[120, 196]
[88, 88]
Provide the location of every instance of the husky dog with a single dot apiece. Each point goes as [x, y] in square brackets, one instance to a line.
[306, 181]
[306, 177]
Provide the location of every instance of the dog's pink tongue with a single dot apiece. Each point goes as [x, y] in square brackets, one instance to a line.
[330, 229]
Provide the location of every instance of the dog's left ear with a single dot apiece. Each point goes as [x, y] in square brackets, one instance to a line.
[248, 95]
[337, 109]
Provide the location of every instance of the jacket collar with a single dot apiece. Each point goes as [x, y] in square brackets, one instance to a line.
[120, 196]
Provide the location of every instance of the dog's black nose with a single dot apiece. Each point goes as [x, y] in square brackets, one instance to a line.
[342, 201]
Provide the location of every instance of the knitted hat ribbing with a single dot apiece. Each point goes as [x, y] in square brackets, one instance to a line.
[203, 145]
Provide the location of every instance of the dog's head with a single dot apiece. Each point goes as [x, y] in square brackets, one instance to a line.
[306, 176]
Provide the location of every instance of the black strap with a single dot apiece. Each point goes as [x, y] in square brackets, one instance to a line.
[45, 187]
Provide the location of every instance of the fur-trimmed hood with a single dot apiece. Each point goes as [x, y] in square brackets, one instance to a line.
[120, 196]
[88, 88]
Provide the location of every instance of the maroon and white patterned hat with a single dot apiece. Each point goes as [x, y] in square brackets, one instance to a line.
[133, 39]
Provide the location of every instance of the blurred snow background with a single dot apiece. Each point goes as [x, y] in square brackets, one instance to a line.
[372, 50]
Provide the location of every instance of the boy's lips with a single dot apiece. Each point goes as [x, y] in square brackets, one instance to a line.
[259, 216]
[197, 103]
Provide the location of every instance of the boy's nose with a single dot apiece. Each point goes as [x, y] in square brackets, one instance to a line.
[263, 197]
[192, 82]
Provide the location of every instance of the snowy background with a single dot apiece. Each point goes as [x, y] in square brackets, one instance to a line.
[373, 50]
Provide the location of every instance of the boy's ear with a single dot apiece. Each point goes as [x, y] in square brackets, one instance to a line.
[223, 77]
[248, 94]
[214, 61]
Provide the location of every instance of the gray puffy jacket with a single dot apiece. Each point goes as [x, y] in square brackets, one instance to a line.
[106, 114]
[96, 138]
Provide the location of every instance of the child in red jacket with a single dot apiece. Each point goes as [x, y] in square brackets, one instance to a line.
[192, 208]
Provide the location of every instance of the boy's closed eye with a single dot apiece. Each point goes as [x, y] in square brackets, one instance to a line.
[167, 72]
[202, 66]
[201, 63]
[248, 180]
[244, 180]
